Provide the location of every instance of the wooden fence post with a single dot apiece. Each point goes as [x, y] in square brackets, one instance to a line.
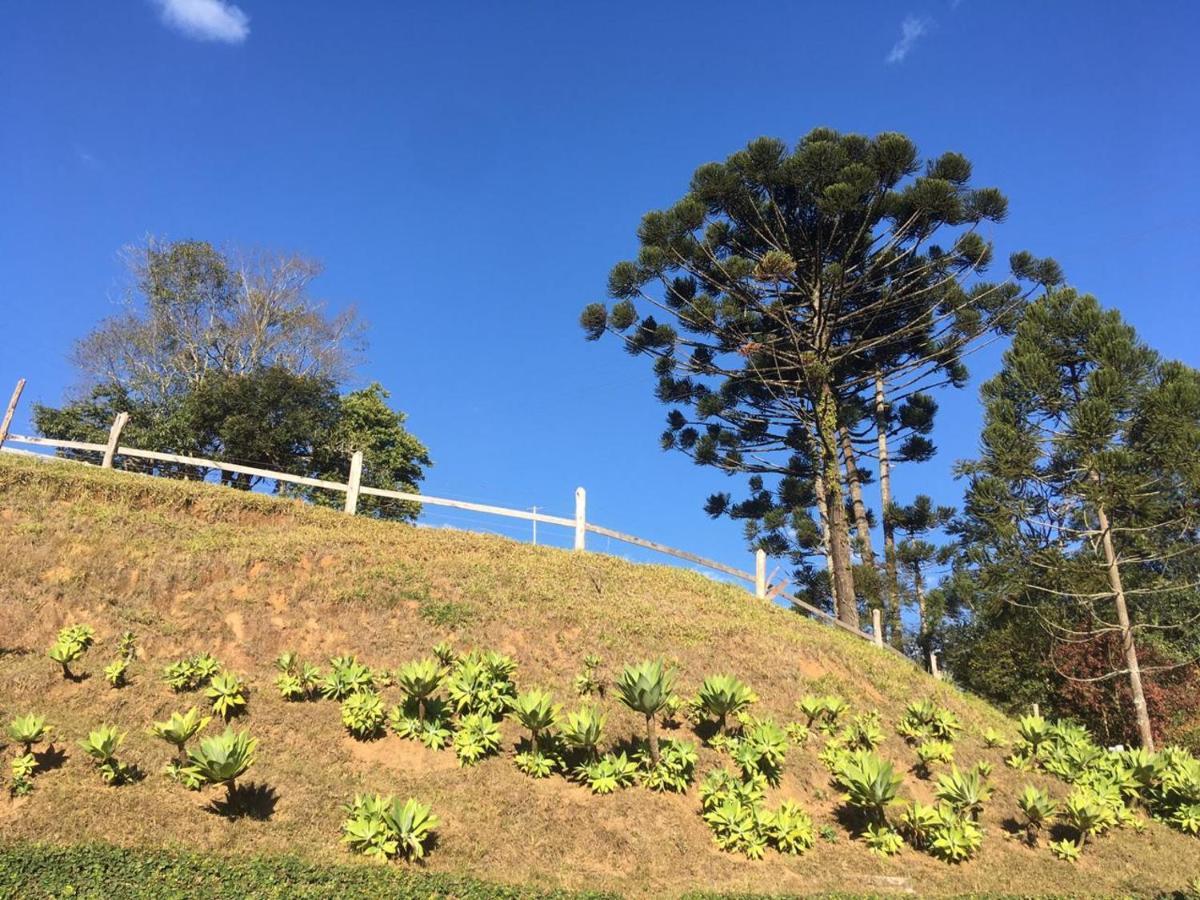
[580, 518]
[760, 574]
[1036, 711]
[355, 483]
[114, 437]
[877, 626]
[933, 665]
[12, 408]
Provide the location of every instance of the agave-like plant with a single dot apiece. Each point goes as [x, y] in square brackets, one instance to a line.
[223, 758]
[227, 693]
[583, 730]
[646, 688]
[965, 792]
[993, 738]
[609, 773]
[419, 680]
[537, 711]
[445, 653]
[363, 714]
[477, 736]
[28, 730]
[102, 745]
[346, 676]
[1033, 731]
[1085, 814]
[22, 767]
[722, 696]
[1038, 810]
[383, 827]
[870, 783]
[72, 642]
[114, 672]
[179, 729]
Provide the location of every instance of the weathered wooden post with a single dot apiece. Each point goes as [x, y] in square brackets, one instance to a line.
[352, 487]
[877, 626]
[580, 518]
[933, 665]
[114, 438]
[760, 574]
[12, 408]
[1036, 711]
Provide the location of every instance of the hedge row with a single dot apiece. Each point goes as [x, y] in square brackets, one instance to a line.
[102, 871]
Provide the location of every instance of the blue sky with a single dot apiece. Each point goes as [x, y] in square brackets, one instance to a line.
[469, 172]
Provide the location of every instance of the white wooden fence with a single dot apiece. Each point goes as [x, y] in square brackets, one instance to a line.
[354, 489]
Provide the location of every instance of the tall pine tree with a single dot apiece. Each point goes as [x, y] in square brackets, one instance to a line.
[1085, 503]
[775, 294]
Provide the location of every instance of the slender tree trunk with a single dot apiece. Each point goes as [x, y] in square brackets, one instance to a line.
[862, 526]
[919, 592]
[823, 512]
[892, 579]
[652, 740]
[839, 527]
[1131, 660]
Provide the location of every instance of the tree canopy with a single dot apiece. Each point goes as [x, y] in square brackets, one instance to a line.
[783, 293]
[228, 356]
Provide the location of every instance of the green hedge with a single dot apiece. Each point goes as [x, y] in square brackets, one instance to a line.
[103, 871]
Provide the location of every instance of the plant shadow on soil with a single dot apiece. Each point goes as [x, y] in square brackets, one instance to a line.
[253, 800]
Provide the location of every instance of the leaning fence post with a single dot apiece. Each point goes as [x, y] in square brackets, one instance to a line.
[933, 665]
[352, 487]
[114, 437]
[12, 408]
[760, 574]
[877, 626]
[580, 518]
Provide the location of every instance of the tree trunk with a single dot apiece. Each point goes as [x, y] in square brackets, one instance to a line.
[652, 740]
[919, 591]
[1131, 660]
[823, 511]
[892, 579]
[862, 527]
[839, 527]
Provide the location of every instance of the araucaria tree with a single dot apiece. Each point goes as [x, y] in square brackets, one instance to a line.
[793, 301]
[1084, 505]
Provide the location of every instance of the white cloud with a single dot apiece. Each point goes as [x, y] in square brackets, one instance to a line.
[911, 30]
[206, 20]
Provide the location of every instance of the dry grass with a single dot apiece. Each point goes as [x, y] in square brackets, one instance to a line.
[192, 567]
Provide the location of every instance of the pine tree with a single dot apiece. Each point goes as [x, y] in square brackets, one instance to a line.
[915, 554]
[787, 282]
[1085, 502]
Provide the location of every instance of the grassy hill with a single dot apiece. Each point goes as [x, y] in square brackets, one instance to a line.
[193, 567]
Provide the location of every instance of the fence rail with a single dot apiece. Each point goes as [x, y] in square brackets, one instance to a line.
[354, 488]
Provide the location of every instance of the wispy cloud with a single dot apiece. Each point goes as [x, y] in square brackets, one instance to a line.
[912, 29]
[206, 20]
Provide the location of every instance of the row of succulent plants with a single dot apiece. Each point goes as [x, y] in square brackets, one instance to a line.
[1110, 787]
[458, 701]
[219, 759]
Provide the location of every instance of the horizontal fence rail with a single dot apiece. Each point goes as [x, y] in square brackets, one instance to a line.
[354, 488]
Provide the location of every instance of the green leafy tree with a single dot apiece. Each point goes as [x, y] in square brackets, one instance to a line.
[393, 459]
[227, 355]
[270, 418]
[774, 294]
[1083, 503]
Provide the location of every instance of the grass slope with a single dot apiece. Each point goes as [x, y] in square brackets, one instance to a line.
[194, 567]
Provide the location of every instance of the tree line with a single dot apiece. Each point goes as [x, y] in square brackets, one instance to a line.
[227, 355]
[802, 306]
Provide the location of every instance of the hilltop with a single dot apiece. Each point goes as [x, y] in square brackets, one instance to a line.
[193, 567]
